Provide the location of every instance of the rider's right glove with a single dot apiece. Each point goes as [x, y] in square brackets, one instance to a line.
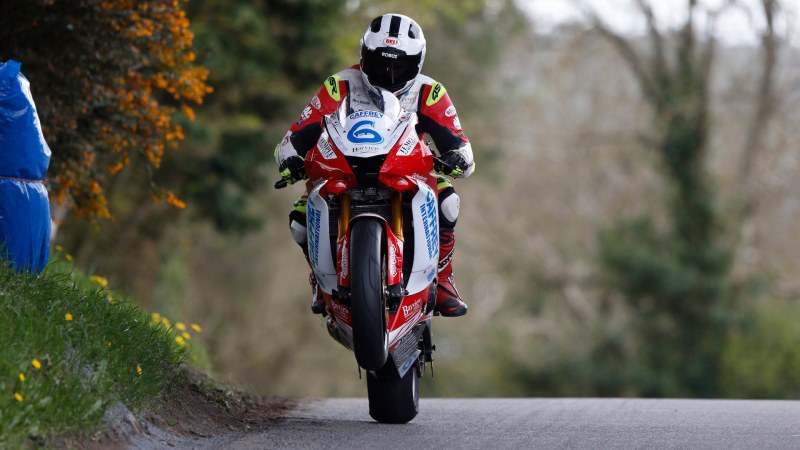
[293, 169]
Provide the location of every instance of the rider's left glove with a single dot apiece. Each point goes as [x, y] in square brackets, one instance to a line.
[454, 164]
[293, 169]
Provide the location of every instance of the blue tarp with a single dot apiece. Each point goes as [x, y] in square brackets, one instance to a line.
[24, 157]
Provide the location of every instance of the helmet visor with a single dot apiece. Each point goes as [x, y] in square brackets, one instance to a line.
[387, 69]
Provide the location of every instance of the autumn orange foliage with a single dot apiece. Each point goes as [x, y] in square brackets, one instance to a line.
[111, 79]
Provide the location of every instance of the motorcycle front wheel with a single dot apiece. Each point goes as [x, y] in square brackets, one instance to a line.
[367, 287]
[393, 399]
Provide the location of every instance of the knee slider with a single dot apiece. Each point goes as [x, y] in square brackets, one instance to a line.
[297, 225]
[449, 206]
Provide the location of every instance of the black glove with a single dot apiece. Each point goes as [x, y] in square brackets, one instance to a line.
[452, 164]
[293, 169]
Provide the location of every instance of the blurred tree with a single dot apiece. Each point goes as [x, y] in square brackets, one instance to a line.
[675, 277]
[110, 78]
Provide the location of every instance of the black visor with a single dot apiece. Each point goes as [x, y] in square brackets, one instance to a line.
[385, 67]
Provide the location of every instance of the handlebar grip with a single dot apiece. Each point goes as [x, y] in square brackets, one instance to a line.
[280, 184]
[448, 167]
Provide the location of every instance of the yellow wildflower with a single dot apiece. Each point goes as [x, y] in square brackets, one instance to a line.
[100, 280]
[22, 377]
[166, 322]
[59, 248]
[18, 397]
[111, 299]
[36, 364]
[138, 370]
[67, 317]
[180, 340]
[156, 317]
[69, 257]
[196, 328]
[180, 326]
[186, 335]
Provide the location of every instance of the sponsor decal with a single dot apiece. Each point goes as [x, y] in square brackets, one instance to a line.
[457, 123]
[392, 260]
[306, 113]
[450, 111]
[436, 94]
[419, 177]
[314, 225]
[408, 145]
[364, 133]
[394, 42]
[339, 310]
[429, 223]
[332, 85]
[316, 103]
[388, 55]
[407, 364]
[325, 148]
[362, 114]
[345, 259]
[412, 309]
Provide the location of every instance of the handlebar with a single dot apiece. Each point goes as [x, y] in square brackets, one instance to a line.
[446, 166]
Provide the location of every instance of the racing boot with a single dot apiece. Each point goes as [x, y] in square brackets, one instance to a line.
[317, 300]
[448, 301]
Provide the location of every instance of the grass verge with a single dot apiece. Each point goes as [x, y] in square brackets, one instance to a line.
[70, 349]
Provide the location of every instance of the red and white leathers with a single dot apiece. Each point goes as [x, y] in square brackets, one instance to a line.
[437, 118]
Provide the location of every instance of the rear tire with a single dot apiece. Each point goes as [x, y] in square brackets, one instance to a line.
[367, 303]
[392, 399]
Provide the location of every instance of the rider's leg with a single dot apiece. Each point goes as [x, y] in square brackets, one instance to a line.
[448, 301]
[297, 224]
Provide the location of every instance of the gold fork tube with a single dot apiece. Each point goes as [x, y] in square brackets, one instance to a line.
[344, 213]
[397, 214]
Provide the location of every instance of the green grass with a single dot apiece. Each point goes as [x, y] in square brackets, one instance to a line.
[110, 351]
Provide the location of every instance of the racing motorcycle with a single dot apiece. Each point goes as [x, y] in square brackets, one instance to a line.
[373, 244]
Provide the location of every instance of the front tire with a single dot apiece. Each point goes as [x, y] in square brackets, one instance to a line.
[367, 303]
[393, 399]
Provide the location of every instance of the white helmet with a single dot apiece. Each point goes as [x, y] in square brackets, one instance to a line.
[392, 52]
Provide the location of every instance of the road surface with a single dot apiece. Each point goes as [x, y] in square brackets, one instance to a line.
[535, 423]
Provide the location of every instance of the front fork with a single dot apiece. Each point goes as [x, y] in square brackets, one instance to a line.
[394, 291]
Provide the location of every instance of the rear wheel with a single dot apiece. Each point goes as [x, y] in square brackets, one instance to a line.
[367, 287]
[393, 399]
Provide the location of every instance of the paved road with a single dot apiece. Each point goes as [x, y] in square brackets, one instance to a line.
[539, 423]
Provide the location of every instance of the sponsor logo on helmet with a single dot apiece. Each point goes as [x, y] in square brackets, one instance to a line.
[388, 55]
[392, 41]
[450, 111]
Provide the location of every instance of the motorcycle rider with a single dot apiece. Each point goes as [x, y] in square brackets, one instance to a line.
[392, 53]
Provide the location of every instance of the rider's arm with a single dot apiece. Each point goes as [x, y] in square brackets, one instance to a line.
[304, 134]
[438, 118]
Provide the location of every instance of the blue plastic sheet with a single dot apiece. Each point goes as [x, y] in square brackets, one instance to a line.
[24, 157]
